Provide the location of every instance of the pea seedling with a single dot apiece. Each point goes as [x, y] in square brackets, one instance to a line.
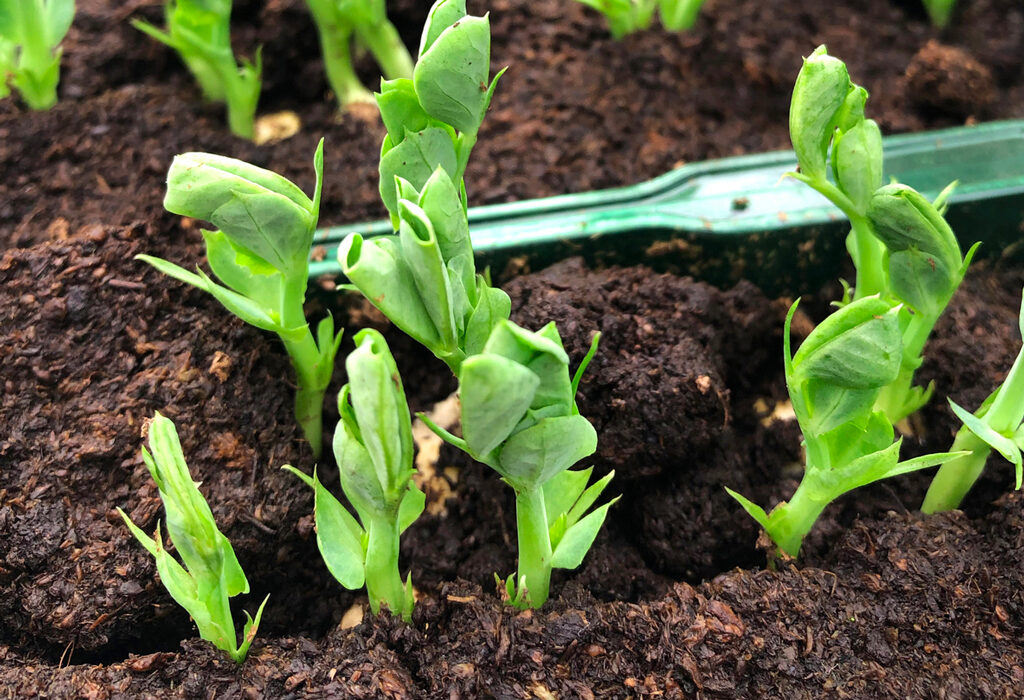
[339, 23]
[833, 382]
[901, 245]
[629, 16]
[30, 36]
[373, 449]
[261, 253]
[996, 425]
[209, 574]
[519, 417]
[200, 31]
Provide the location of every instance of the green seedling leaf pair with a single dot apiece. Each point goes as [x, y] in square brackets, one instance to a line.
[629, 16]
[365, 22]
[519, 417]
[997, 425]
[260, 253]
[200, 31]
[433, 119]
[30, 36]
[373, 449]
[833, 382]
[923, 269]
[902, 247]
[209, 574]
[424, 278]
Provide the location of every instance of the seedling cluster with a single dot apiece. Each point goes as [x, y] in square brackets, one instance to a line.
[852, 379]
[850, 382]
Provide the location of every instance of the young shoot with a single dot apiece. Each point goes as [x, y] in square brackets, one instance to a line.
[924, 268]
[629, 16]
[374, 452]
[901, 246]
[200, 31]
[939, 11]
[433, 119]
[833, 381]
[519, 417]
[339, 23]
[30, 36]
[997, 425]
[424, 278]
[261, 254]
[209, 573]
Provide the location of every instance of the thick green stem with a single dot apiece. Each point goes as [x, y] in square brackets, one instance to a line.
[311, 379]
[534, 546]
[870, 275]
[383, 580]
[1007, 410]
[956, 477]
[335, 45]
[209, 81]
[466, 142]
[242, 100]
[387, 48]
[791, 522]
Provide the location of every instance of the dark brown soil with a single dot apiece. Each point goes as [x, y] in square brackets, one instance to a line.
[93, 343]
[884, 602]
[76, 586]
[576, 111]
[909, 607]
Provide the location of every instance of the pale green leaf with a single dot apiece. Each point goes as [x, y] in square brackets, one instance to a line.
[451, 77]
[415, 159]
[578, 539]
[563, 490]
[532, 456]
[495, 393]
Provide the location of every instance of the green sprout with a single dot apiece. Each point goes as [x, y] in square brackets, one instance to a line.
[433, 119]
[373, 449]
[519, 417]
[200, 31]
[939, 11]
[997, 425]
[209, 574]
[424, 278]
[338, 23]
[261, 253]
[901, 245]
[833, 381]
[629, 16]
[30, 36]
